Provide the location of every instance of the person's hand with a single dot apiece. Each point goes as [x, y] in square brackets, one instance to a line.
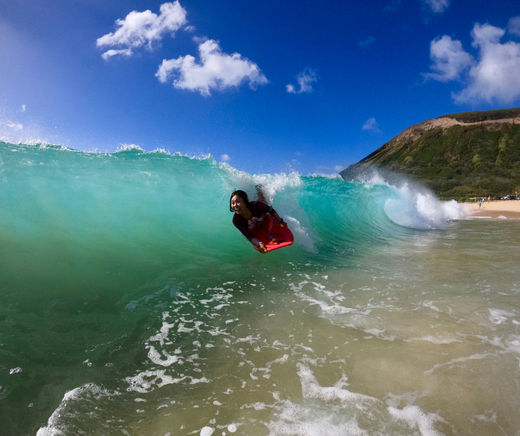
[262, 248]
[283, 223]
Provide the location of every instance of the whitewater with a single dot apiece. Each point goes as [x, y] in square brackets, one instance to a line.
[129, 304]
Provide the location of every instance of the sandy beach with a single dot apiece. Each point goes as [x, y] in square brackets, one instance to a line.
[493, 209]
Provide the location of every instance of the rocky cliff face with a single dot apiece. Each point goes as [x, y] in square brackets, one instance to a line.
[458, 156]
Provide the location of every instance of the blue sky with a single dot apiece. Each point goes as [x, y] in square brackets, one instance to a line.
[270, 86]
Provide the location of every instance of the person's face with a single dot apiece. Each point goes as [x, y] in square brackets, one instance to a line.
[237, 204]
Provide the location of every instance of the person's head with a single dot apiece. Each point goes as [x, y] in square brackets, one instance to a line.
[238, 200]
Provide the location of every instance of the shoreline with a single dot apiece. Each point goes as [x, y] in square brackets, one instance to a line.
[509, 209]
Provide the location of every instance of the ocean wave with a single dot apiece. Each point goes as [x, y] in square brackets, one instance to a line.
[151, 210]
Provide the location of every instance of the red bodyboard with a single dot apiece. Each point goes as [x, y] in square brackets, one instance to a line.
[272, 234]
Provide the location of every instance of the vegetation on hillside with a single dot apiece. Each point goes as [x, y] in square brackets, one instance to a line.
[458, 162]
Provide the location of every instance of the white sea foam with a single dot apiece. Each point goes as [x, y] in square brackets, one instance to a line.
[336, 411]
[207, 431]
[297, 420]
[162, 336]
[55, 426]
[334, 309]
[513, 343]
[509, 343]
[430, 305]
[156, 357]
[256, 406]
[147, 381]
[417, 419]
[453, 362]
[498, 316]
[437, 340]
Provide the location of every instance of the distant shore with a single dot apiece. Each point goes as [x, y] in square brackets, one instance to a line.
[493, 209]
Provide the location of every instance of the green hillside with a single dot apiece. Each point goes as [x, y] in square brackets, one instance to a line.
[457, 156]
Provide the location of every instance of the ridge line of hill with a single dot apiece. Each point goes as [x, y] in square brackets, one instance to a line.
[459, 155]
[447, 121]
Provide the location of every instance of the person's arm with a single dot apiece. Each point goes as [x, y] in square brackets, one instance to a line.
[241, 224]
[270, 210]
[276, 216]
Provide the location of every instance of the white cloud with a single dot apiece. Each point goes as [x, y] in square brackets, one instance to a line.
[225, 158]
[23, 108]
[216, 70]
[15, 126]
[305, 80]
[437, 6]
[486, 34]
[124, 52]
[143, 28]
[371, 126]
[494, 76]
[513, 26]
[497, 74]
[449, 58]
[338, 168]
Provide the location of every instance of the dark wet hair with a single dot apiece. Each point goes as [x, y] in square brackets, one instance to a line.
[242, 195]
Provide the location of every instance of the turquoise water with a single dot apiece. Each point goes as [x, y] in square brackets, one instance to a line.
[129, 304]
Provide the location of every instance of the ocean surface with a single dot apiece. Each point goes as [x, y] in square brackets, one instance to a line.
[130, 305]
